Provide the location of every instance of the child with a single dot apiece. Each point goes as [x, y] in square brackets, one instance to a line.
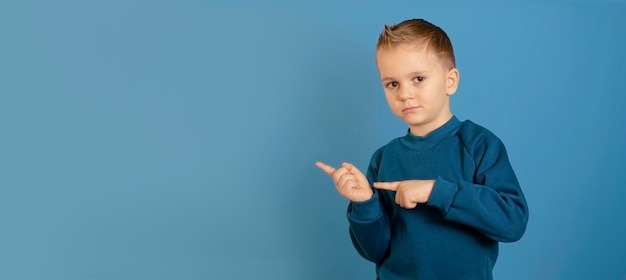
[435, 202]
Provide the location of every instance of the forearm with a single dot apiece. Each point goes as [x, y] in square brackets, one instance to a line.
[369, 228]
[499, 212]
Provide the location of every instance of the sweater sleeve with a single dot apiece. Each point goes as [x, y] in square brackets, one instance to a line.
[493, 203]
[369, 229]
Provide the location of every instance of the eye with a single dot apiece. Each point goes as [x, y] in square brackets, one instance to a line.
[419, 79]
[392, 85]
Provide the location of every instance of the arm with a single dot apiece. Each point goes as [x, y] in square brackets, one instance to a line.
[369, 229]
[369, 225]
[494, 203]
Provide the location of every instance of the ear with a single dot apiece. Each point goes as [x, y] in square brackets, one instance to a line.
[452, 81]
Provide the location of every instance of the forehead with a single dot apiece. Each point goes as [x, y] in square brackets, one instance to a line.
[402, 59]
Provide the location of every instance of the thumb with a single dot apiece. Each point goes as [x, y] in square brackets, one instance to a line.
[390, 186]
[351, 168]
[362, 180]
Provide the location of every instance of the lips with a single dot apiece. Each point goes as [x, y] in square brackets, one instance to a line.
[409, 109]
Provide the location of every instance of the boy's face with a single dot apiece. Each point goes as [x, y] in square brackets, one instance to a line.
[417, 86]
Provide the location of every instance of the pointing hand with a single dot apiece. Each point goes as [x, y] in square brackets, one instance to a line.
[410, 192]
[349, 181]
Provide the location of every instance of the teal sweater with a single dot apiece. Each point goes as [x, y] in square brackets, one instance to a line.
[475, 203]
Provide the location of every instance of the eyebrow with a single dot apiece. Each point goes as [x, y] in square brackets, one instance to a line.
[412, 74]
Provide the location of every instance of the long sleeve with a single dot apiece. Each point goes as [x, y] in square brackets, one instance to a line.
[370, 230]
[494, 203]
[476, 203]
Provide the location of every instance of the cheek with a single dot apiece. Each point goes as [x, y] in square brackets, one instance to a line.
[393, 101]
[434, 93]
[390, 96]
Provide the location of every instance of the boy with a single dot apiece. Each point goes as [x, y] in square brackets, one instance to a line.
[435, 202]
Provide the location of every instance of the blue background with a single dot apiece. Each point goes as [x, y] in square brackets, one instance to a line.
[171, 140]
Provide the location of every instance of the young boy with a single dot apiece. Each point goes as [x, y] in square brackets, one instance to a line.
[434, 203]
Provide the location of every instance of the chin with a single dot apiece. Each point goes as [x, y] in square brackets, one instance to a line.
[413, 121]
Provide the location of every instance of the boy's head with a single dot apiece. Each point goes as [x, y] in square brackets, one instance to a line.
[417, 67]
[418, 32]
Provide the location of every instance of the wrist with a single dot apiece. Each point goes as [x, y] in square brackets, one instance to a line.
[366, 210]
[430, 185]
[364, 198]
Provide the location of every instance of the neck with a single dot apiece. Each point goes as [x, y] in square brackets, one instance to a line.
[425, 129]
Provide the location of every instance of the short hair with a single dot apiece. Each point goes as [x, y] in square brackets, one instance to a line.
[416, 32]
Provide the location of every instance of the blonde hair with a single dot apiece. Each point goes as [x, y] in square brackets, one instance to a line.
[417, 32]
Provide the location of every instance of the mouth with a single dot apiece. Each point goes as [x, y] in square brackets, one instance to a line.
[410, 109]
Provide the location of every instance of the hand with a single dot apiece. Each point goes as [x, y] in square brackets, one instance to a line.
[410, 192]
[349, 181]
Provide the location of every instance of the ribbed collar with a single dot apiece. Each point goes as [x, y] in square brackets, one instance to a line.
[433, 138]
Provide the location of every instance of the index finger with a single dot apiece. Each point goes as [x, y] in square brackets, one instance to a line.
[326, 168]
[390, 186]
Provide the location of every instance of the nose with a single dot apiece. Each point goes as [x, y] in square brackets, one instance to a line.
[406, 93]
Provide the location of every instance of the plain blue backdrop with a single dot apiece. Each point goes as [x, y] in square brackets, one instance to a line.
[177, 140]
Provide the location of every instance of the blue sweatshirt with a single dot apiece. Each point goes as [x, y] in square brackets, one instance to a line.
[475, 203]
